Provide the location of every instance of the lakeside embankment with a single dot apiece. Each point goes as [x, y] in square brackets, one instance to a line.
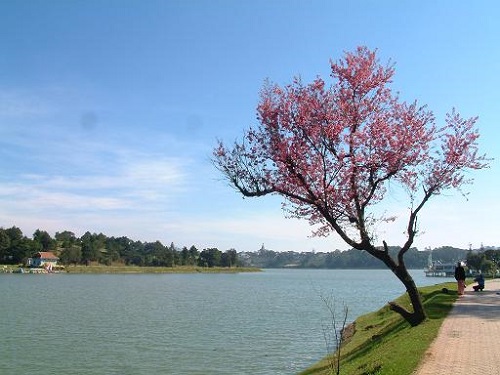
[122, 269]
[381, 342]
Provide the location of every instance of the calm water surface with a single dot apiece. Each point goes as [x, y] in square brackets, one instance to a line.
[271, 322]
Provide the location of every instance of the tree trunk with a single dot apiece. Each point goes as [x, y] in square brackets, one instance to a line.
[418, 315]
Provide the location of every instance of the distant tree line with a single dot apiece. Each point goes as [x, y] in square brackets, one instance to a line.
[16, 248]
[487, 261]
[361, 260]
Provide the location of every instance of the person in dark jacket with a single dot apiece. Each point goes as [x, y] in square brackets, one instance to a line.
[480, 282]
[460, 277]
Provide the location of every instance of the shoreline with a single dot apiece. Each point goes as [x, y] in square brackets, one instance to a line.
[102, 269]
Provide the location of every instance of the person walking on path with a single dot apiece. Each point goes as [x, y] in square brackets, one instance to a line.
[460, 277]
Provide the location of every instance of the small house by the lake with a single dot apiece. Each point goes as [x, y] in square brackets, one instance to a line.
[45, 259]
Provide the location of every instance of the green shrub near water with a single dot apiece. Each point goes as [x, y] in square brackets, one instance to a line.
[383, 343]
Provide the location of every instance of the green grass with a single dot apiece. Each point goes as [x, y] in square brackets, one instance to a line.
[7, 268]
[383, 343]
[122, 269]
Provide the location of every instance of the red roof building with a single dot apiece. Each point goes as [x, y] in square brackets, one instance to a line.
[43, 259]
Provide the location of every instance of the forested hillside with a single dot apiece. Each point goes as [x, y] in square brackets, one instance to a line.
[16, 248]
[346, 259]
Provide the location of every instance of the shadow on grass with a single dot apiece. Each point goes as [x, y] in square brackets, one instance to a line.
[382, 326]
[439, 304]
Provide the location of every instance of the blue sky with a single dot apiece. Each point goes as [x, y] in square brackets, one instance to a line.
[109, 110]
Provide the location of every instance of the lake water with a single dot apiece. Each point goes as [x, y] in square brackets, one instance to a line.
[270, 322]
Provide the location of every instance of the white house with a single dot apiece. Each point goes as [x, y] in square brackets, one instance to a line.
[45, 259]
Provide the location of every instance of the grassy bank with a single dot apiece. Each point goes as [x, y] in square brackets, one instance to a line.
[383, 343]
[121, 269]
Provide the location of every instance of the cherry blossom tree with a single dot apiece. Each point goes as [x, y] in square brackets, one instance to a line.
[331, 152]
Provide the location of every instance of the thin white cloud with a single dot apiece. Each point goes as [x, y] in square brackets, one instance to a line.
[54, 159]
[18, 103]
[127, 187]
[249, 231]
[155, 173]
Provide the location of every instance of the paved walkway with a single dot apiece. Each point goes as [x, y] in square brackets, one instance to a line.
[468, 342]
